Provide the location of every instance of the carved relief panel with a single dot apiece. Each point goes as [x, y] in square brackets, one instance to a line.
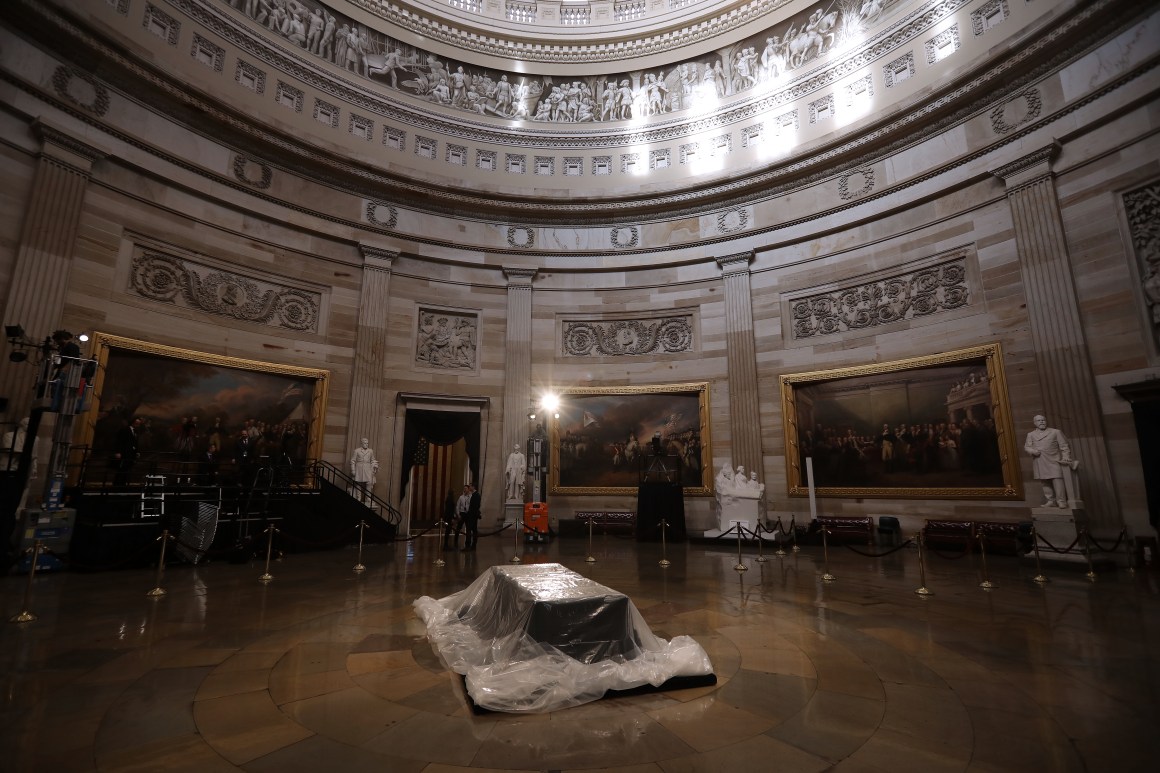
[671, 333]
[169, 275]
[447, 339]
[921, 289]
[1142, 211]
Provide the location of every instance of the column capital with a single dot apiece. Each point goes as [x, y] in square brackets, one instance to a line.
[380, 258]
[65, 148]
[737, 263]
[1029, 168]
[519, 276]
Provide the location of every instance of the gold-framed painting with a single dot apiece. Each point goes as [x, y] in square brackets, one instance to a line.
[604, 435]
[187, 400]
[935, 427]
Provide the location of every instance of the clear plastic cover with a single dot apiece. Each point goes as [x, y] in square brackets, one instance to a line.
[542, 637]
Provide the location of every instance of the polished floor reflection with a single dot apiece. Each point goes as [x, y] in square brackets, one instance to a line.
[326, 669]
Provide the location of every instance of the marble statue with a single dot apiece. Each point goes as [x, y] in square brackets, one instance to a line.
[738, 496]
[364, 466]
[1052, 464]
[515, 474]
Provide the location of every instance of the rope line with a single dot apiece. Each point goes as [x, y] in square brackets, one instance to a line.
[881, 555]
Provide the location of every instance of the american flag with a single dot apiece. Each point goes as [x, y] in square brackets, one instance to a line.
[432, 479]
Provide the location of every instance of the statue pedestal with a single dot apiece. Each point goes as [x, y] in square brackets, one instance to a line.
[734, 510]
[513, 513]
[1059, 526]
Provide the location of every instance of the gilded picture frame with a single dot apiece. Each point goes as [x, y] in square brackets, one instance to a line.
[934, 427]
[603, 435]
[167, 386]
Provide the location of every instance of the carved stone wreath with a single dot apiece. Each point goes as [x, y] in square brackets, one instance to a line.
[917, 294]
[173, 280]
[242, 165]
[999, 120]
[63, 77]
[628, 337]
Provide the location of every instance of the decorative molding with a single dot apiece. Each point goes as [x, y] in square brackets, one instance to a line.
[620, 241]
[893, 73]
[1034, 104]
[380, 213]
[49, 134]
[1013, 174]
[732, 220]
[217, 54]
[1142, 209]
[446, 339]
[378, 258]
[67, 82]
[867, 185]
[738, 263]
[188, 284]
[161, 24]
[519, 277]
[986, 11]
[949, 36]
[243, 168]
[917, 293]
[250, 77]
[627, 337]
[521, 237]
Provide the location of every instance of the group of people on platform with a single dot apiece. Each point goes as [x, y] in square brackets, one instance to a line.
[199, 454]
[842, 455]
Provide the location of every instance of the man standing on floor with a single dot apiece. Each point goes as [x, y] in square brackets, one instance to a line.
[471, 520]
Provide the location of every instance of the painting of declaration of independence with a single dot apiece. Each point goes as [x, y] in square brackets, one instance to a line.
[925, 427]
[195, 409]
[604, 436]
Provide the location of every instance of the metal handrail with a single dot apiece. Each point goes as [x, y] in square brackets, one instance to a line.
[340, 479]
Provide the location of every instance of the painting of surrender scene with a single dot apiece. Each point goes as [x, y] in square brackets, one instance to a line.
[604, 435]
[924, 427]
[190, 404]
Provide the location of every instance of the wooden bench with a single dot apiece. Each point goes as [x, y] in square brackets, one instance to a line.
[1012, 538]
[851, 528]
[615, 519]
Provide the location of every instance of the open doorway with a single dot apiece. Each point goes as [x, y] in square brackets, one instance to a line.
[441, 452]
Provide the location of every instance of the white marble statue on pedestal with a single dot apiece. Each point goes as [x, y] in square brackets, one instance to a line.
[1053, 466]
[515, 475]
[738, 498]
[364, 468]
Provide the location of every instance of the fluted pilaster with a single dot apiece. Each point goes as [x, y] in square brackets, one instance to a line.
[368, 398]
[517, 357]
[44, 257]
[1065, 371]
[741, 358]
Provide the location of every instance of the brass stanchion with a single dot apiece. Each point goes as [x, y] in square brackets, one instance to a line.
[358, 566]
[158, 591]
[266, 577]
[664, 550]
[25, 616]
[591, 559]
[793, 533]
[519, 530]
[780, 552]
[761, 559]
[1087, 553]
[826, 576]
[922, 590]
[986, 584]
[739, 567]
[1039, 577]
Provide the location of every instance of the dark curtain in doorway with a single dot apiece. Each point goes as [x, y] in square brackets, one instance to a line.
[441, 428]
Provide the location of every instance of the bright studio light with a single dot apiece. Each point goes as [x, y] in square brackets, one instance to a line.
[550, 402]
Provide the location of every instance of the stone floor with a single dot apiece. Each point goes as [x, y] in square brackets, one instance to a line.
[326, 669]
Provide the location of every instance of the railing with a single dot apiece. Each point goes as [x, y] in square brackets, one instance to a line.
[339, 479]
[575, 15]
[525, 13]
[630, 10]
[471, 6]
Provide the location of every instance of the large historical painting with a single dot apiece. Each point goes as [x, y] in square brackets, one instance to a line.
[936, 427]
[604, 435]
[187, 400]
